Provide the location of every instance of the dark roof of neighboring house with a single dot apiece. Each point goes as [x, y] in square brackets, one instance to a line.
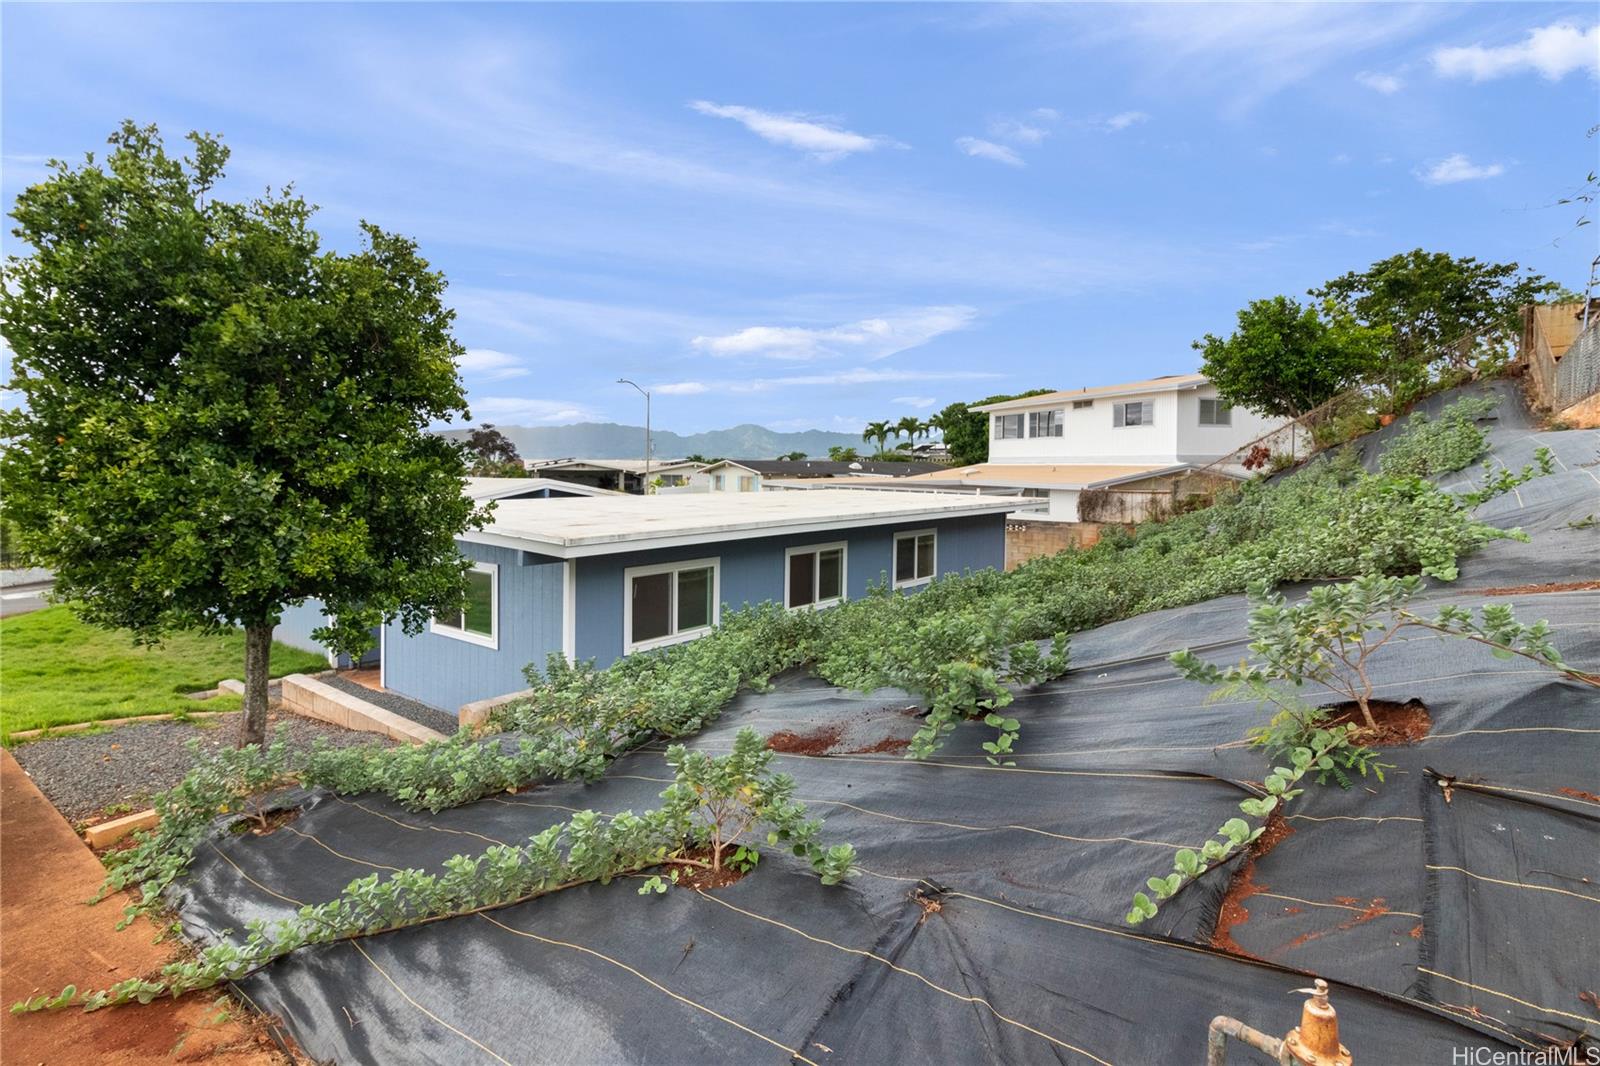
[829, 468]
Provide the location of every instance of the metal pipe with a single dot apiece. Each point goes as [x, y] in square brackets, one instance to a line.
[1223, 1027]
[1314, 1042]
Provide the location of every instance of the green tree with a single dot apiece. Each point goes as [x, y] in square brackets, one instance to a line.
[219, 417]
[910, 427]
[966, 432]
[877, 431]
[1285, 359]
[840, 454]
[1436, 307]
[793, 457]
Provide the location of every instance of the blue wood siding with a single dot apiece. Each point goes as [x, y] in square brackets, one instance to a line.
[298, 623]
[752, 570]
[444, 672]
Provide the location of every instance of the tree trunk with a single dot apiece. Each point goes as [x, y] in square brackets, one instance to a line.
[257, 656]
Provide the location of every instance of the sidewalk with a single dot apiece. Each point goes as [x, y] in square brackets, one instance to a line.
[49, 939]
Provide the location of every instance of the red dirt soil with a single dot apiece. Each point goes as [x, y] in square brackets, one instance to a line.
[52, 939]
[1578, 793]
[887, 744]
[817, 742]
[1549, 586]
[699, 877]
[1398, 723]
[1233, 912]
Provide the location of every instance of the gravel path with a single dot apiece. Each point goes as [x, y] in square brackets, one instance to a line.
[421, 713]
[84, 773]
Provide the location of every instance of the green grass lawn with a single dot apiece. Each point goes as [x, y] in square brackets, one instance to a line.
[54, 670]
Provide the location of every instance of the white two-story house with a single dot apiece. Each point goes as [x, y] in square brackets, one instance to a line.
[1137, 442]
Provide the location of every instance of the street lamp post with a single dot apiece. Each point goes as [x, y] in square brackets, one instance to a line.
[647, 441]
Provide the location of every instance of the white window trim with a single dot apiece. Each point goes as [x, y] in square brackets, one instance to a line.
[844, 574]
[894, 557]
[1221, 409]
[628, 645]
[1022, 425]
[492, 641]
[1138, 425]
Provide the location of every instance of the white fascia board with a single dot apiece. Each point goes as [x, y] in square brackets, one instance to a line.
[564, 549]
[1056, 399]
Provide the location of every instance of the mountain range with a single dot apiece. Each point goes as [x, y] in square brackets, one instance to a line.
[611, 440]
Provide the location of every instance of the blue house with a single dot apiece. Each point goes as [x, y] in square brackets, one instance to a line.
[603, 577]
[301, 620]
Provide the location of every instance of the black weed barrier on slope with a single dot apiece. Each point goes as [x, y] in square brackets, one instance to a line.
[986, 922]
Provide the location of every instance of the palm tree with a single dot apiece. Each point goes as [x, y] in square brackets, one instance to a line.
[909, 427]
[878, 431]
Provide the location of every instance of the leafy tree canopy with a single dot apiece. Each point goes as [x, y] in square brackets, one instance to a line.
[219, 417]
[1436, 305]
[492, 453]
[966, 432]
[1285, 359]
[840, 454]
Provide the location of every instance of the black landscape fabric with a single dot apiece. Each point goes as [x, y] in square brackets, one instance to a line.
[1455, 906]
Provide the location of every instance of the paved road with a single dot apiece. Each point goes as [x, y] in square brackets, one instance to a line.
[20, 599]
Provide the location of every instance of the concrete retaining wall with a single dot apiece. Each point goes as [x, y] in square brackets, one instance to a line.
[316, 699]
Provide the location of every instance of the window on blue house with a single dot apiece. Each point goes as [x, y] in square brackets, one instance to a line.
[475, 623]
[914, 557]
[815, 576]
[668, 603]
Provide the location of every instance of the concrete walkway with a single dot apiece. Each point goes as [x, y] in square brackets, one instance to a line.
[49, 939]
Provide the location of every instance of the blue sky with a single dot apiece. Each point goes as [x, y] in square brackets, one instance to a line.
[812, 216]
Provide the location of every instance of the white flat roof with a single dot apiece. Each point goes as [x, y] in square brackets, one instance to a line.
[494, 488]
[605, 525]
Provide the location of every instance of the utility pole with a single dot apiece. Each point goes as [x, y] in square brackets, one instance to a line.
[648, 444]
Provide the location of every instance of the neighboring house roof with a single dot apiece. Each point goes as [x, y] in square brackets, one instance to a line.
[607, 525]
[798, 468]
[483, 489]
[1165, 383]
[883, 484]
[626, 466]
[1048, 475]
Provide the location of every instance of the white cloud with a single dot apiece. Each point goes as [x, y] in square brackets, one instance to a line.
[921, 403]
[1458, 167]
[1246, 51]
[982, 149]
[1553, 51]
[1340, 158]
[681, 388]
[487, 364]
[1046, 114]
[1122, 120]
[1387, 84]
[868, 339]
[833, 379]
[522, 410]
[1016, 131]
[823, 141]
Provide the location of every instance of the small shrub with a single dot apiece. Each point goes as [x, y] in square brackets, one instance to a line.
[1426, 448]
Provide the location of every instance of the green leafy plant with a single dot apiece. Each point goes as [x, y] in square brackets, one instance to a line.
[732, 794]
[709, 804]
[1501, 481]
[1331, 636]
[1427, 448]
[1277, 790]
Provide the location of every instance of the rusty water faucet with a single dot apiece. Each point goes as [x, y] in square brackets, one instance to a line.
[1314, 1042]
